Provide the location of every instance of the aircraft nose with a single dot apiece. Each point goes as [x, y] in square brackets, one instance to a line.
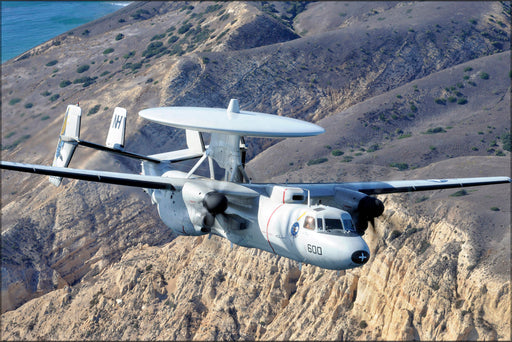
[360, 252]
[360, 257]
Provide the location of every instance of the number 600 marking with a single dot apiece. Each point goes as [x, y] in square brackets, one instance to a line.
[314, 249]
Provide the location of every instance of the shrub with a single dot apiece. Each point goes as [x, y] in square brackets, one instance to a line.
[459, 193]
[184, 28]
[54, 97]
[64, 84]
[94, 109]
[82, 68]
[158, 36]
[400, 166]
[46, 93]
[172, 39]
[52, 63]
[119, 36]
[107, 51]
[462, 101]
[153, 49]
[317, 161]
[105, 73]
[46, 117]
[347, 159]
[129, 54]
[373, 148]
[29, 105]
[435, 130]
[337, 153]
[452, 99]
[15, 100]
[495, 209]
[440, 101]
[133, 66]
[468, 68]
[484, 75]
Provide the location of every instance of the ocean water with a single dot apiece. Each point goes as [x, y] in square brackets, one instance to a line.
[26, 24]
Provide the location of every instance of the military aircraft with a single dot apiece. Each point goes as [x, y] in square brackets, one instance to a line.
[278, 218]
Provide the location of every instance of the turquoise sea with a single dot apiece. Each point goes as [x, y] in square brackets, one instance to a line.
[26, 24]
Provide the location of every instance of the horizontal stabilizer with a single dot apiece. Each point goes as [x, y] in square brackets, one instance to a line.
[115, 137]
[66, 145]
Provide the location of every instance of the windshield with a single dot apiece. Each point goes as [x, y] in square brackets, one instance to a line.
[332, 224]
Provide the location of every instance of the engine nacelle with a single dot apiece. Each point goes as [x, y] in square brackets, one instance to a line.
[362, 208]
[203, 205]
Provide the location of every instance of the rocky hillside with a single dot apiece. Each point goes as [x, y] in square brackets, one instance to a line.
[404, 90]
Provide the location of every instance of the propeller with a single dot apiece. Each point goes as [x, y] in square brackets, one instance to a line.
[367, 210]
[215, 203]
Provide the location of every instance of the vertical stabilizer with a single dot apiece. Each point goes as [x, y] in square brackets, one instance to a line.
[69, 135]
[115, 137]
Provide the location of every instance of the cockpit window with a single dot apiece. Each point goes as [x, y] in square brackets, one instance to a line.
[309, 222]
[347, 223]
[331, 224]
[320, 223]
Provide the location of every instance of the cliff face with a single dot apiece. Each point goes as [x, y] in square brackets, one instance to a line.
[89, 261]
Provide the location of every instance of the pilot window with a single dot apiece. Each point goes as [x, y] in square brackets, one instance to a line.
[333, 224]
[309, 222]
[320, 223]
[348, 224]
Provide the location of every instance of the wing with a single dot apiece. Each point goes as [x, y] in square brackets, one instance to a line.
[238, 191]
[325, 190]
[142, 181]
[389, 187]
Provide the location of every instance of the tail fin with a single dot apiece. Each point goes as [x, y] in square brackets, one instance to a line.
[115, 137]
[69, 135]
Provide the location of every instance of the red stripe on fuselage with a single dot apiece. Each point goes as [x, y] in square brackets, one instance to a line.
[268, 223]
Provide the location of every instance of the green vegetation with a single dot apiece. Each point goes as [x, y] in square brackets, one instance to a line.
[133, 66]
[52, 63]
[337, 153]
[468, 69]
[317, 161]
[106, 72]
[94, 109]
[46, 93]
[462, 101]
[15, 100]
[46, 117]
[82, 68]
[172, 39]
[85, 81]
[54, 97]
[459, 193]
[347, 159]
[107, 51]
[119, 36]
[184, 28]
[373, 148]
[139, 14]
[484, 75]
[29, 105]
[64, 83]
[435, 130]
[495, 209]
[400, 166]
[153, 49]
[158, 36]
[17, 142]
[129, 54]
[440, 101]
